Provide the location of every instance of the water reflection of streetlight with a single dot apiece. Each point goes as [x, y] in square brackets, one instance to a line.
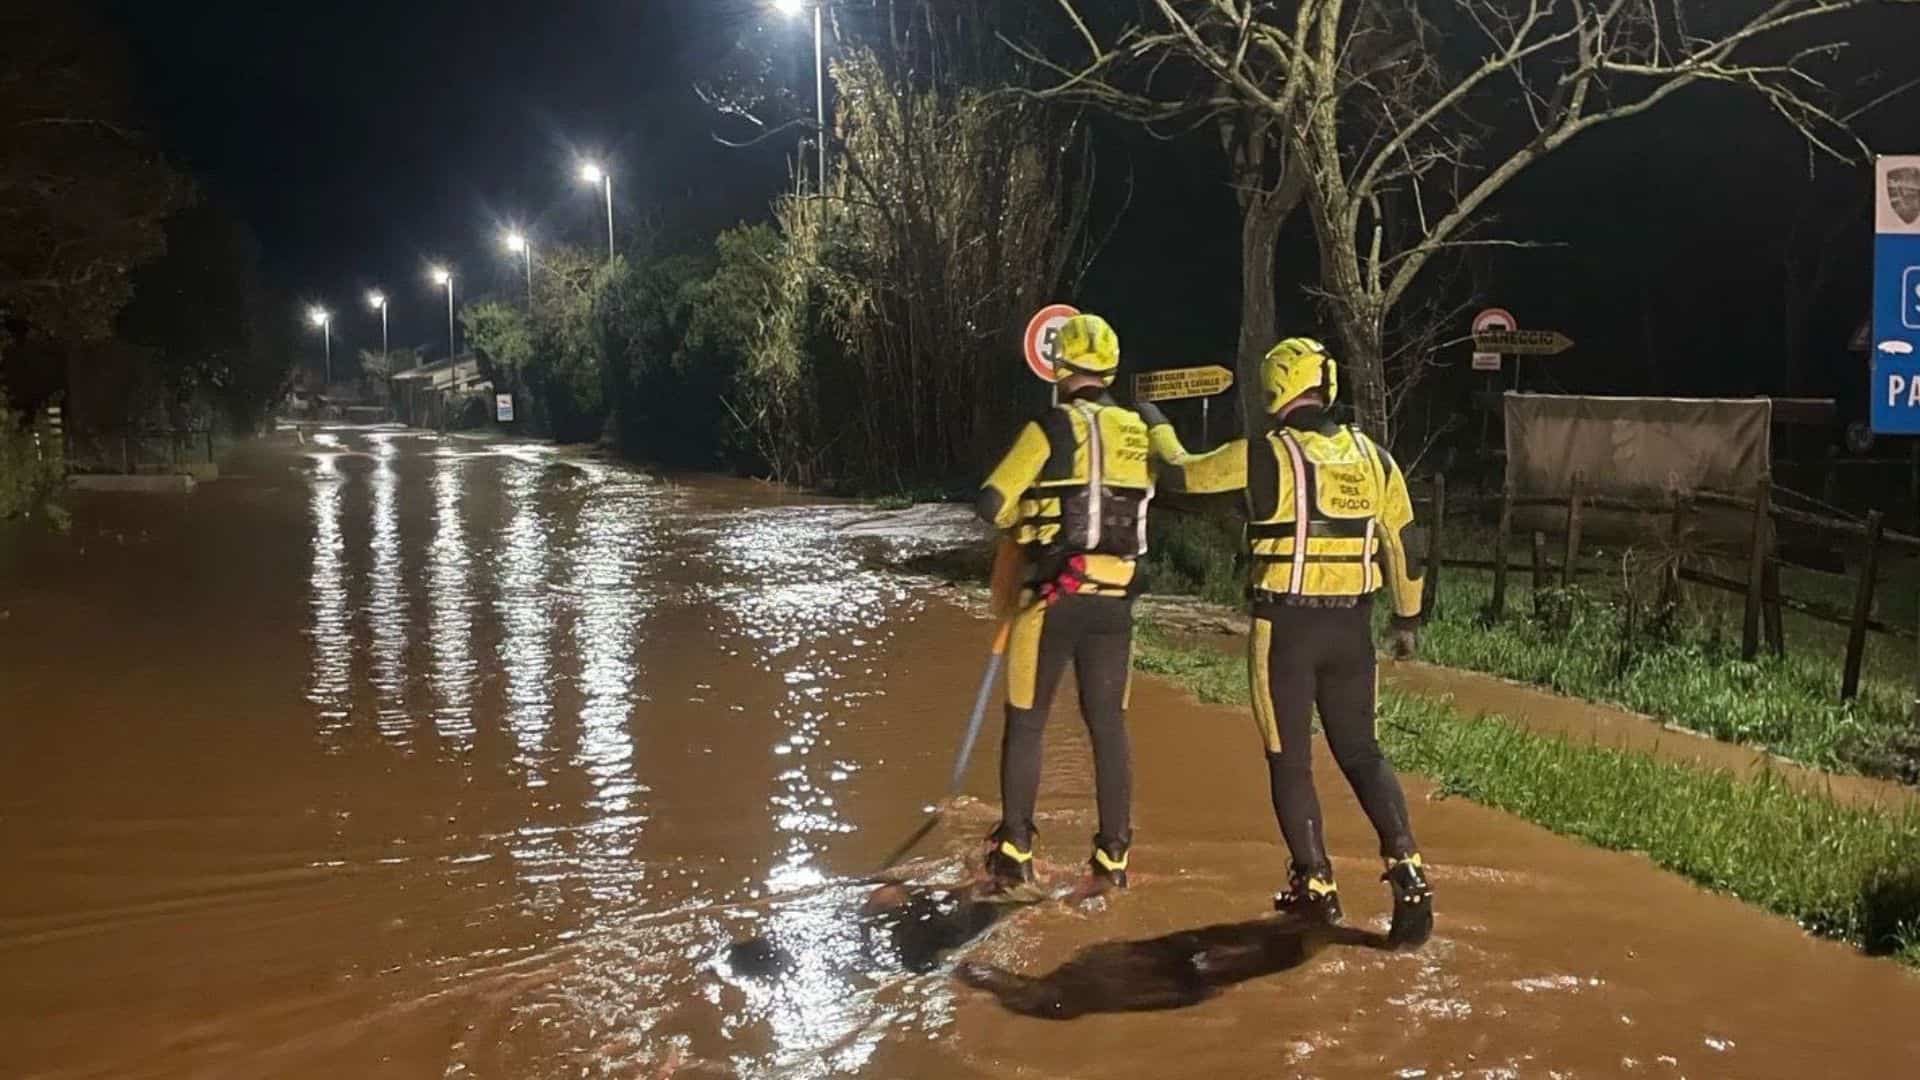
[323, 319]
[517, 243]
[592, 173]
[791, 8]
[443, 277]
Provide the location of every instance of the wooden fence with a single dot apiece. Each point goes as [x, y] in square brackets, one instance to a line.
[1761, 587]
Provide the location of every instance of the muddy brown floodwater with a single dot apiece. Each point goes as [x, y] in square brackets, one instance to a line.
[399, 756]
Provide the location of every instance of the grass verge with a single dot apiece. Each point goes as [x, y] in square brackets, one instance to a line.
[1684, 669]
[1840, 871]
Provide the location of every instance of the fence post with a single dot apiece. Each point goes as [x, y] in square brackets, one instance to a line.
[1913, 483]
[1676, 543]
[1497, 607]
[126, 455]
[1573, 531]
[1756, 570]
[1916, 674]
[209, 444]
[1776, 632]
[1539, 570]
[1862, 607]
[1436, 549]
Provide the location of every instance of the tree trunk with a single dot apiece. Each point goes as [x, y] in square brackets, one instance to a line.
[1363, 377]
[1261, 216]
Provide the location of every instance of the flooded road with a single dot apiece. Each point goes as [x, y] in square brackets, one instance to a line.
[400, 756]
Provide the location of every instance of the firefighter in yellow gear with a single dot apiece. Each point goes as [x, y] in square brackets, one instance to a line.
[1073, 493]
[1327, 509]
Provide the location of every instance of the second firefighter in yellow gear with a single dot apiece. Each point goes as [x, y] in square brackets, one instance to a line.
[1073, 492]
[1327, 512]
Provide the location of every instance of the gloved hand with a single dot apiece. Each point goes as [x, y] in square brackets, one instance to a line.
[1403, 638]
[1151, 414]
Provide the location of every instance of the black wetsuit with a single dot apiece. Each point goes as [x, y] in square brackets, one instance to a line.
[1096, 634]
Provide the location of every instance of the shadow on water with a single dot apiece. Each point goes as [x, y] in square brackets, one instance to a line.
[905, 927]
[1174, 971]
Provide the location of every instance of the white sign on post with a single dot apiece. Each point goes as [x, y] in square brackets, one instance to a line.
[1486, 361]
[503, 408]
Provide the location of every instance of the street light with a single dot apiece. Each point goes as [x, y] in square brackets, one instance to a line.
[443, 277]
[791, 8]
[377, 300]
[323, 319]
[592, 173]
[517, 243]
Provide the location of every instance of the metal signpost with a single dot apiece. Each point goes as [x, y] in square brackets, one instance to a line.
[1176, 383]
[1895, 386]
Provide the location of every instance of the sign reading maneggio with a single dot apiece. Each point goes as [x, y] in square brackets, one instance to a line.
[1176, 383]
[1895, 386]
[1042, 340]
[1523, 342]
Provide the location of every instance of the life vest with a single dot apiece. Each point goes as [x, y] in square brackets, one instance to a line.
[1314, 524]
[1092, 494]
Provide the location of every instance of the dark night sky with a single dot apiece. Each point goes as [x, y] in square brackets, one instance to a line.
[363, 139]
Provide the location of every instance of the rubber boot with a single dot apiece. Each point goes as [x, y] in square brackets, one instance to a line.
[1310, 895]
[1109, 863]
[1412, 901]
[1010, 861]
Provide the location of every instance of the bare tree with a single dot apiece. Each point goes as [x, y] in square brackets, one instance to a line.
[1147, 76]
[1406, 117]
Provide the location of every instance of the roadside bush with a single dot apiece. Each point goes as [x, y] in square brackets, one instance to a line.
[30, 470]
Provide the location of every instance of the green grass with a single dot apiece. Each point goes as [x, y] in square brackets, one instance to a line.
[1687, 672]
[1690, 674]
[1847, 873]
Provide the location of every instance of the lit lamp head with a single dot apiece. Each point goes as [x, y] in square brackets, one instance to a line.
[376, 300]
[790, 8]
[318, 316]
[591, 173]
[441, 275]
[514, 242]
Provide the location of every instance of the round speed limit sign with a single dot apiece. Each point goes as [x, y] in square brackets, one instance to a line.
[1043, 338]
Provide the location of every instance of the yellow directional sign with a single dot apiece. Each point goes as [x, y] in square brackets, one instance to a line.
[1181, 383]
[1522, 342]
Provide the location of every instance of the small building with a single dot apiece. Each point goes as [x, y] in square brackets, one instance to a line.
[443, 394]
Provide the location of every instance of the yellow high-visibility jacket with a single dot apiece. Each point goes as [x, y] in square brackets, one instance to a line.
[1077, 482]
[1326, 509]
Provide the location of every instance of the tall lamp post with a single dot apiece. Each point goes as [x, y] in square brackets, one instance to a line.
[592, 173]
[518, 243]
[377, 300]
[791, 8]
[323, 319]
[443, 277]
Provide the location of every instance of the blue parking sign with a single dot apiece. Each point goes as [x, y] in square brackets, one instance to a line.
[1896, 296]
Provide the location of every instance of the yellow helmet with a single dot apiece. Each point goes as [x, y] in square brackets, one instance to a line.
[1087, 346]
[1296, 366]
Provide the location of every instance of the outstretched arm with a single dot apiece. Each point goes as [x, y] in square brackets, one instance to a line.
[1219, 470]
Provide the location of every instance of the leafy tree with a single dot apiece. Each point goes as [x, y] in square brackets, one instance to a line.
[198, 312]
[567, 370]
[82, 196]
